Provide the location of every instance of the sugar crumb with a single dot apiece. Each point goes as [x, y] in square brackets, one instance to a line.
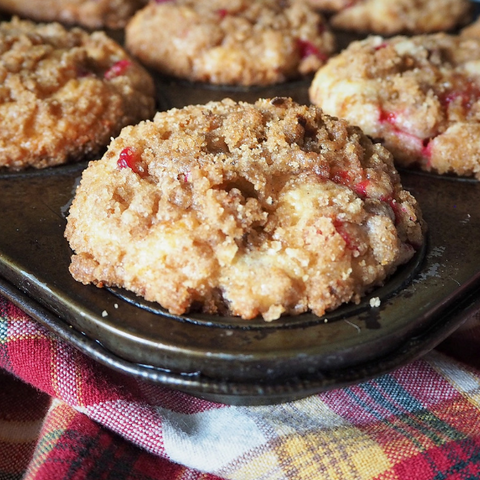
[375, 302]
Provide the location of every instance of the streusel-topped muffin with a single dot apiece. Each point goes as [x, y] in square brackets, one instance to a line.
[419, 95]
[92, 14]
[240, 42]
[246, 209]
[389, 17]
[65, 93]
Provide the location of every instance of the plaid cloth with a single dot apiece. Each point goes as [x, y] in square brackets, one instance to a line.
[62, 416]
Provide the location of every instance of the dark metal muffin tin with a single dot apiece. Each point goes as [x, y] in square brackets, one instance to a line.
[227, 359]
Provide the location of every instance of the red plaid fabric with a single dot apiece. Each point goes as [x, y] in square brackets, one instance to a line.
[63, 416]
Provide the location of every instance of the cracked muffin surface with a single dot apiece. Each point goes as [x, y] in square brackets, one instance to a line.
[243, 209]
[65, 93]
[237, 42]
[419, 95]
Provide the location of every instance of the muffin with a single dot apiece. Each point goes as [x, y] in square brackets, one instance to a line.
[65, 93]
[91, 14]
[419, 95]
[264, 209]
[239, 42]
[391, 17]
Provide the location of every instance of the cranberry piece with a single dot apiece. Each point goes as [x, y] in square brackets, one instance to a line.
[117, 69]
[361, 188]
[387, 117]
[344, 177]
[341, 177]
[381, 46]
[423, 146]
[307, 48]
[128, 158]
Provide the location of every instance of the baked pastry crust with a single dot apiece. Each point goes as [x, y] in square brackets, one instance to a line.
[245, 209]
[65, 93]
[390, 17]
[419, 95]
[235, 42]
